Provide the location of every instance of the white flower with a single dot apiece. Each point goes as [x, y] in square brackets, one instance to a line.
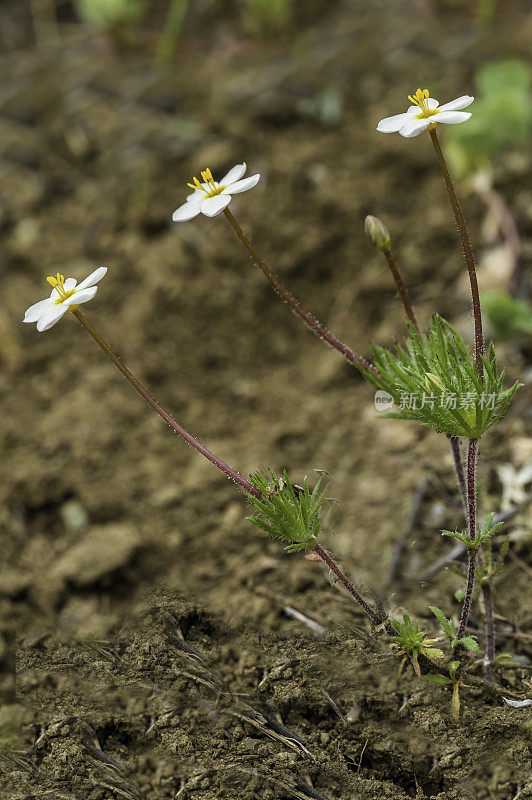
[65, 293]
[425, 113]
[210, 197]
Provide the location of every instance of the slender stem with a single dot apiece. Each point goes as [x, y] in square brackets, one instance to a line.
[459, 468]
[326, 558]
[402, 289]
[489, 658]
[281, 290]
[242, 482]
[472, 525]
[246, 485]
[468, 252]
[172, 28]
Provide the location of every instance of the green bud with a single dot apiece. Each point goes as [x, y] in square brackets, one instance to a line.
[377, 233]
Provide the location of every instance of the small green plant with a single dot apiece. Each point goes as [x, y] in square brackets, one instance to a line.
[433, 380]
[451, 679]
[455, 392]
[487, 530]
[448, 627]
[285, 512]
[415, 642]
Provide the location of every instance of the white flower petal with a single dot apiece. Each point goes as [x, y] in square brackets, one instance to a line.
[52, 315]
[415, 126]
[393, 124]
[93, 278]
[81, 296]
[243, 185]
[36, 310]
[452, 117]
[458, 104]
[69, 284]
[213, 206]
[234, 174]
[196, 193]
[188, 210]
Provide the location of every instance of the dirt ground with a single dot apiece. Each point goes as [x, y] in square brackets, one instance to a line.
[157, 650]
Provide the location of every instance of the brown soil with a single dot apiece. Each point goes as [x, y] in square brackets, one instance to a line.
[155, 655]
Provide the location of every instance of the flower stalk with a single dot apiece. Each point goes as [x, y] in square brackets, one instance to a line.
[229, 471]
[378, 234]
[191, 440]
[401, 288]
[326, 558]
[468, 252]
[472, 453]
[489, 656]
[298, 309]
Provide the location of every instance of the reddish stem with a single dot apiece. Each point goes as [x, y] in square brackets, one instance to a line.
[296, 307]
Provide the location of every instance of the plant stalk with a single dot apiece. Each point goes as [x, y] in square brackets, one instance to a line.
[468, 252]
[298, 309]
[472, 526]
[489, 657]
[229, 471]
[401, 288]
[326, 558]
[459, 469]
[233, 474]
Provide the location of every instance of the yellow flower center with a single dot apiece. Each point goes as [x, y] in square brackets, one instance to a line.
[419, 99]
[58, 283]
[212, 190]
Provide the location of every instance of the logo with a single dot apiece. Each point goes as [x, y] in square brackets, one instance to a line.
[383, 400]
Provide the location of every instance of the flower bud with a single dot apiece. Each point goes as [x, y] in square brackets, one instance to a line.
[377, 233]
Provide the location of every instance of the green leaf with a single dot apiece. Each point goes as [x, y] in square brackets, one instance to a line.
[434, 380]
[283, 513]
[439, 680]
[454, 666]
[446, 624]
[469, 642]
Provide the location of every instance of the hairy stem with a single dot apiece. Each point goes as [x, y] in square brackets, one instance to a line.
[326, 558]
[401, 288]
[233, 474]
[298, 309]
[229, 471]
[459, 469]
[472, 526]
[489, 657]
[468, 252]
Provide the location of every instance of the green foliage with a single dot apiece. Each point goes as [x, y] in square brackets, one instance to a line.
[505, 660]
[447, 625]
[438, 372]
[286, 513]
[110, 14]
[413, 641]
[166, 45]
[487, 530]
[508, 318]
[502, 116]
[490, 566]
[443, 680]
[267, 16]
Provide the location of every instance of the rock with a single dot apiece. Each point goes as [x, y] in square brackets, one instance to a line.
[101, 551]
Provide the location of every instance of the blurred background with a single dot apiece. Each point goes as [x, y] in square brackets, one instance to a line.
[107, 109]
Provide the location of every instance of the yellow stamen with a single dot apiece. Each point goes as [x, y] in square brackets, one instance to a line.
[211, 190]
[58, 283]
[419, 99]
